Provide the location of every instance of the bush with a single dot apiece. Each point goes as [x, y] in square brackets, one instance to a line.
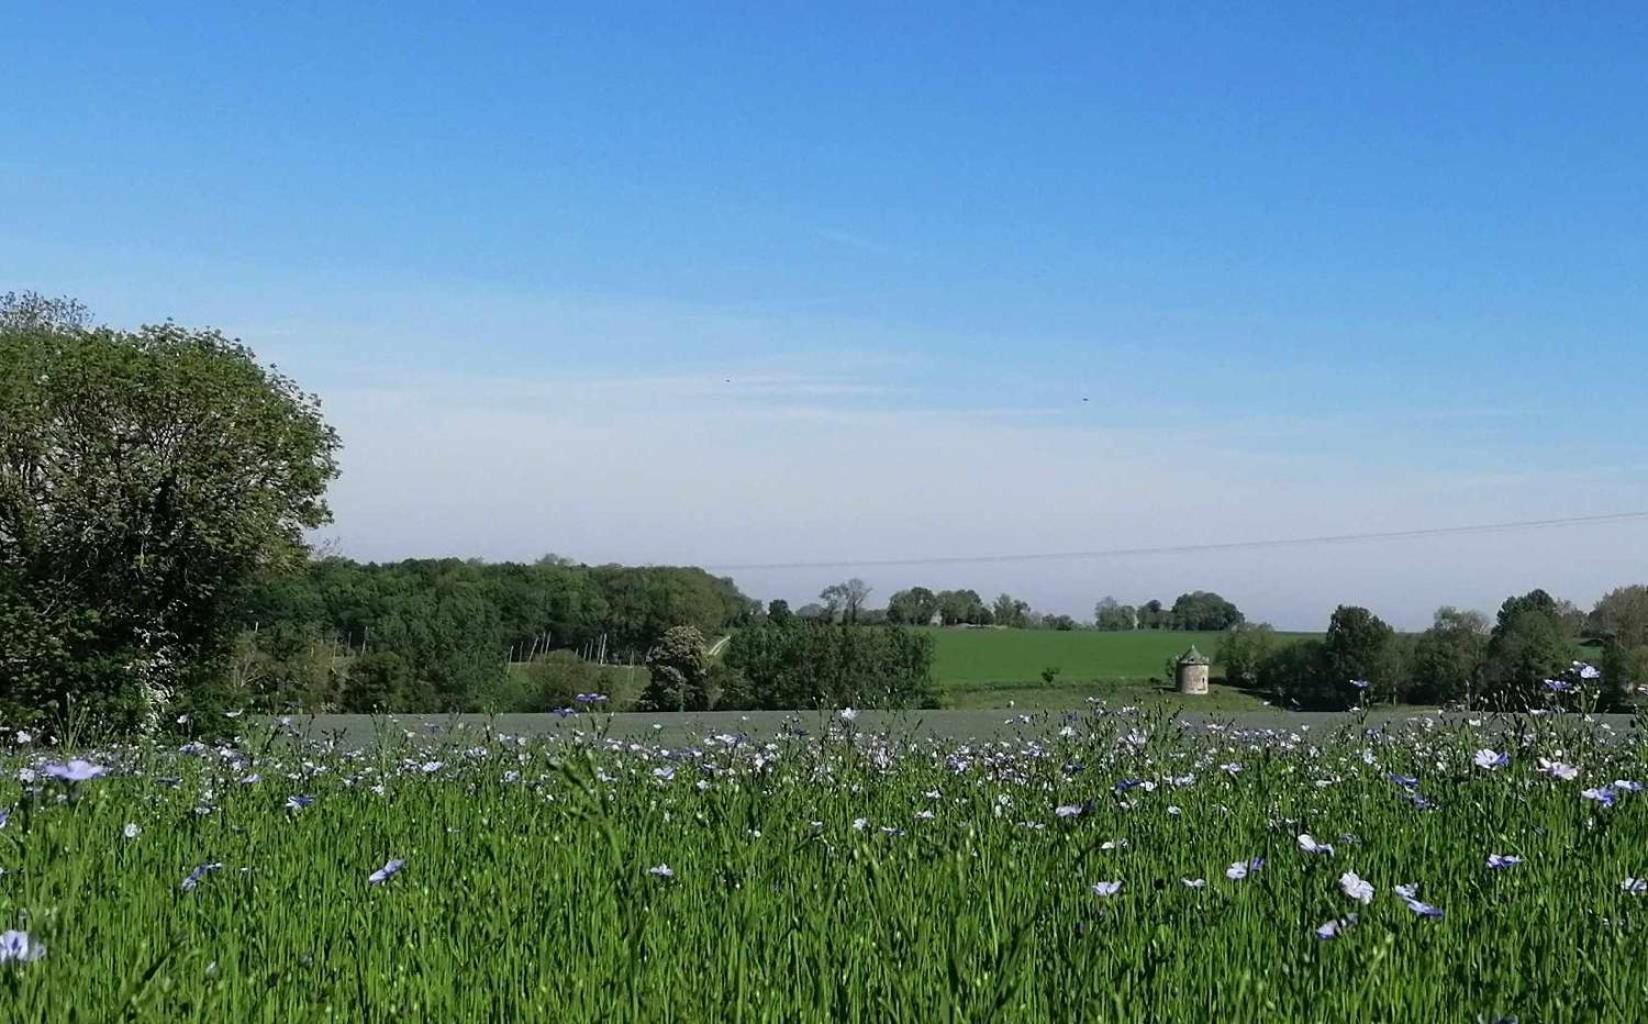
[1243, 650]
[819, 665]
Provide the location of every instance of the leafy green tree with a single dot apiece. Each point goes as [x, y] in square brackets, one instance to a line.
[1203, 610]
[778, 612]
[822, 665]
[147, 479]
[1532, 641]
[1243, 650]
[1010, 611]
[845, 599]
[1623, 615]
[964, 607]
[1447, 659]
[376, 682]
[1110, 616]
[1299, 677]
[679, 671]
[1358, 649]
[913, 607]
[1153, 616]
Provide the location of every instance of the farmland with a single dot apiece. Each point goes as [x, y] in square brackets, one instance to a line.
[1098, 866]
[998, 668]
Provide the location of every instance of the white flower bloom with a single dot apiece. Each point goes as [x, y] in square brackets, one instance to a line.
[1356, 887]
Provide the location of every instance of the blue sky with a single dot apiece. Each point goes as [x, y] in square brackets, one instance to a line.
[694, 283]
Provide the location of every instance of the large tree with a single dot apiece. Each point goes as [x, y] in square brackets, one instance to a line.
[145, 479]
[913, 607]
[845, 599]
[1446, 664]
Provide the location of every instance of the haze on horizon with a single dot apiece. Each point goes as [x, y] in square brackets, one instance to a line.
[734, 287]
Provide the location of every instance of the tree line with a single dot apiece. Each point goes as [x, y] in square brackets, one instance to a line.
[1537, 652]
[847, 602]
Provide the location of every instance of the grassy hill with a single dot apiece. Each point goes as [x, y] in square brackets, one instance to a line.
[999, 668]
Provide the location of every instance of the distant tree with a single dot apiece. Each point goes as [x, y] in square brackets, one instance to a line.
[679, 669]
[1110, 616]
[375, 682]
[1203, 610]
[1153, 616]
[1010, 611]
[844, 599]
[824, 665]
[1062, 623]
[147, 480]
[778, 612]
[1358, 648]
[1244, 649]
[30, 313]
[913, 607]
[964, 607]
[1299, 677]
[1530, 643]
[814, 612]
[1622, 614]
[1447, 659]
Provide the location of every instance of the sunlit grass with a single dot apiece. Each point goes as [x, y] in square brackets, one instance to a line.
[837, 875]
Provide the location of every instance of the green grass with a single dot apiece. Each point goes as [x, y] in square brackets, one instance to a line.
[976, 668]
[831, 877]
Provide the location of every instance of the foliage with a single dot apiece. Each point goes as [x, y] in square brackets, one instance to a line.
[1243, 650]
[1622, 615]
[1532, 641]
[845, 599]
[458, 625]
[1010, 611]
[1203, 610]
[679, 671]
[964, 608]
[1446, 662]
[1110, 616]
[913, 607]
[819, 665]
[1298, 676]
[146, 479]
[778, 612]
[1359, 648]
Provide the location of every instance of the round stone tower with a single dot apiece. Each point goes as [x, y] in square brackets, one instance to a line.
[1193, 668]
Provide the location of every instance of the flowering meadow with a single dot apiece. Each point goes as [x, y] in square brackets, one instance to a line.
[1107, 865]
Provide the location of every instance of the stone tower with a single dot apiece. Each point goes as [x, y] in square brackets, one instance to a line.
[1193, 668]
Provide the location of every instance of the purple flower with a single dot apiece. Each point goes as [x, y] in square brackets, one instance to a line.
[385, 873]
[1068, 810]
[75, 771]
[1405, 781]
[18, 947]
[298, 802]
[1627, 786]
[5, 816]
[1333, 929]
[1559, 686]
[193, 878]
[661, 871]
[1603, 795]
[591, 698]
[1360, 684]
[1107, 888]
[1500, 861]
[1558, 770]
[1242, 868]
[1423, 909]
[1634, 886]
[1490, 760]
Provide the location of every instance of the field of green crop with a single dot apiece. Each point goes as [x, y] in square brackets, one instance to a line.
[998, 668]
[1108, 867]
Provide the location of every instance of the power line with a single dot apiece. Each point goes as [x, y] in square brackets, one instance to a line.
[1182, 549]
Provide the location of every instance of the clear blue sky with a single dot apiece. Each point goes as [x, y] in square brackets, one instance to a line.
[710, 284]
